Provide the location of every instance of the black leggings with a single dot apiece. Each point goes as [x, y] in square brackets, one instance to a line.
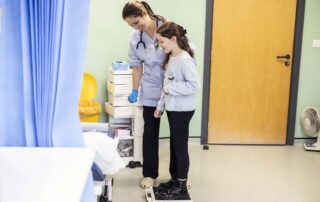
[150, 148]
[179, 135]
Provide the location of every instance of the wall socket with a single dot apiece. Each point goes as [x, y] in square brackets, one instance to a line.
[316, 43]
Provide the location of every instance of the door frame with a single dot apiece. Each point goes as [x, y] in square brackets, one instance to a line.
[296, 57]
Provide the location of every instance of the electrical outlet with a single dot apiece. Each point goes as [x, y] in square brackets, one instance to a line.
[316, 43]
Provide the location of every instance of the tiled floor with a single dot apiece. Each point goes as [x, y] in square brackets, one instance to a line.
[236, 174]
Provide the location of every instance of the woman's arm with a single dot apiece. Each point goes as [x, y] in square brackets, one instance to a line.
[136, 76]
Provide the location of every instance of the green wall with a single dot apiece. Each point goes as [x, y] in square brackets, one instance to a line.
[109, 38]
[109, 35]
[309, 81]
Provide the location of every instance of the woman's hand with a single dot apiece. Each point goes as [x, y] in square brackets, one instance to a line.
[157, 113]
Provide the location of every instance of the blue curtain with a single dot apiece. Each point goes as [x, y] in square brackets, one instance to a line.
[42, 50]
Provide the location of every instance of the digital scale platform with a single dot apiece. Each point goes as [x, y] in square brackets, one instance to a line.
[152, 196]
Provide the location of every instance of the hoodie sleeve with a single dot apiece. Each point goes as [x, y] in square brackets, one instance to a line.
[161, 103]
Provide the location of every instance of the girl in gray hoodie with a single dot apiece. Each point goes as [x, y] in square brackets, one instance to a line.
[181, 82]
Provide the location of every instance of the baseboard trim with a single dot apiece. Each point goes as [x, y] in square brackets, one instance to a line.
[300, 141]
[297, 141]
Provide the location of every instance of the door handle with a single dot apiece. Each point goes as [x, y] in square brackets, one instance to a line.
[284, 56]
[287, 59]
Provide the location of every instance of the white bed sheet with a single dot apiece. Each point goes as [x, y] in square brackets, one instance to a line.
[105, 151]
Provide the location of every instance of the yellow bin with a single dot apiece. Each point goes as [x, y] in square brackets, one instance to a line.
[89, 109]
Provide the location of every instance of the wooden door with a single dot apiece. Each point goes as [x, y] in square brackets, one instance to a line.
[249, 85]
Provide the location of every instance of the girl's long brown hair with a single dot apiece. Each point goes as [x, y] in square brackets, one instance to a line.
[171, 29]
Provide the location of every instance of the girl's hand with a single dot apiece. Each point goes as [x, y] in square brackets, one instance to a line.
[164, 92]
[157, 113]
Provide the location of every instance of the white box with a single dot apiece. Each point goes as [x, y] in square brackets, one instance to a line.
[122, 132]
[120, 122]
[118, 100]
[120, 78]
[121, 89]
[123, 137]
[117, 112]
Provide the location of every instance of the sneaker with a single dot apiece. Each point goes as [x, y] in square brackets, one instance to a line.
[178, 191]
[146, 182]
[169, 184]
[166, 185]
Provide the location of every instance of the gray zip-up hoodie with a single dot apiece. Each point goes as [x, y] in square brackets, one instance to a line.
[181, 82]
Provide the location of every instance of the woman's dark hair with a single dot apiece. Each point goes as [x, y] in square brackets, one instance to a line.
[171, 29]
[136, 8]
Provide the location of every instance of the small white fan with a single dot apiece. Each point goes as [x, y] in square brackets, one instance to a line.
[310, 122]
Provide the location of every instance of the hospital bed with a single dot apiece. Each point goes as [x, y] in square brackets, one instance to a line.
[107, 161]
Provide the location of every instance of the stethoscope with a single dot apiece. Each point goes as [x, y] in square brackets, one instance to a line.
[155, 43]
